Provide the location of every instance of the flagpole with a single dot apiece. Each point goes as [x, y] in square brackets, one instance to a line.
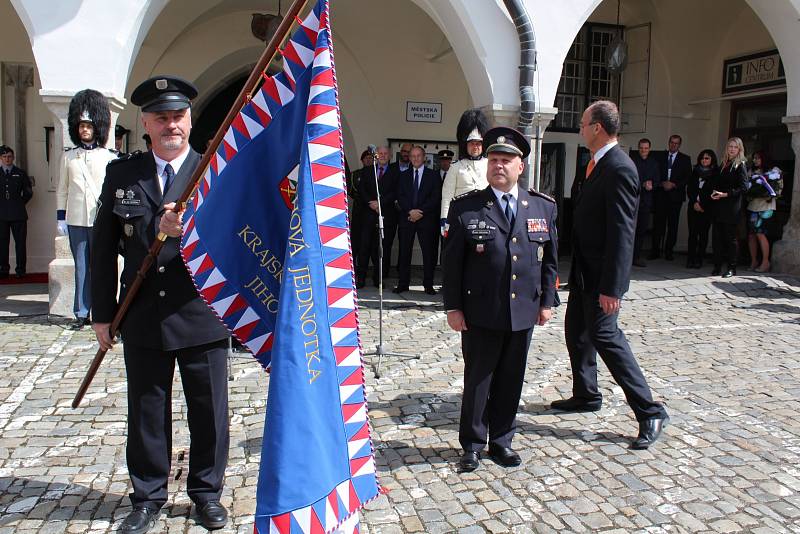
[180, 204]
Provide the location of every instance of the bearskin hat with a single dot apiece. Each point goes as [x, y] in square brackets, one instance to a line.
[93, 106]
[470, 120]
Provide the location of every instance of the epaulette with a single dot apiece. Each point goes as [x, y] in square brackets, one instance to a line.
[127, 157]
[67, 149]
[468, 194]
[538, 194]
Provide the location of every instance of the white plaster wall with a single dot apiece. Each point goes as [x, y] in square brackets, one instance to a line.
[379, 66]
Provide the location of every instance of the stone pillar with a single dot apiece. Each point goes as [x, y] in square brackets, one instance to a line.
[786, 252]
[20, 78]
[501, 115]
[61, 271]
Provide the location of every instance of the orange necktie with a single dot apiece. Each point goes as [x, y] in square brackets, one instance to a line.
[590, 167]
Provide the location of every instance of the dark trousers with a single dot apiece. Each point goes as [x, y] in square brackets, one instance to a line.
[589, 331]
[665, 219]
[426, 235]
[149, 449]
[356, 228]
[699, 225]
[494, 371]
[389, 232]
[80, 243]
[642, 220]
[19, 229]
[368, 245]
[723, 241]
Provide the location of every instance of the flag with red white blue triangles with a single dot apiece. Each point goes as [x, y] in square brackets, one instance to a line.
[266, 240]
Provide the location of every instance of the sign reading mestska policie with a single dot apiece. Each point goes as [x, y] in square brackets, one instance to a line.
[753, 71]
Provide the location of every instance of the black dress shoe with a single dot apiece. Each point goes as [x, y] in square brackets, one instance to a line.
[400, 289]
[140, 520]
[212, 515]
[649, 432]
[575, 404]
[729, 273]
[430, 291]
[504, 456]
[469, 462]
[79, 323]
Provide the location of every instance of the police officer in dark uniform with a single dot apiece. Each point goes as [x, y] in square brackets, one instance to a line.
[500, 267]
[167, 321]
[15, 191]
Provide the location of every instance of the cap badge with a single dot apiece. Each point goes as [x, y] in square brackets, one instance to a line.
[85, 117]
[119, 193]
[161, 84]
[501, 139]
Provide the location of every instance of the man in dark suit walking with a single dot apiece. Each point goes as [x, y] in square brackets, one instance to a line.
[602, 240]
[167, 321]
[419, 193]
[500, 267]
[669, 194]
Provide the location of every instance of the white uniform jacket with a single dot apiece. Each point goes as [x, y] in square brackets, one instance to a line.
[464, 175]
[81, 180]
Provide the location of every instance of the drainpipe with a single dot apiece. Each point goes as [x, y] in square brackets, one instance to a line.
[528, 118]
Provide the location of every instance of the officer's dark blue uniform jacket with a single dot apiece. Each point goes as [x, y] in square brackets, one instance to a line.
[167, 313]
[500, 276]
[15, 191]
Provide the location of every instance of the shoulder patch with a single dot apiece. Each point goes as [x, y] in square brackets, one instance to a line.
[127, 157]
[468, 194]
[542, 195]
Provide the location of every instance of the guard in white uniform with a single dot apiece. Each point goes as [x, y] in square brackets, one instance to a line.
[78, 193]
[469, 172]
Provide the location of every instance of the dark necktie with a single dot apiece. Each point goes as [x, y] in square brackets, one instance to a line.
[380, 173]
[169, 174]
[508, 211]
[671, 161]
[416, 186]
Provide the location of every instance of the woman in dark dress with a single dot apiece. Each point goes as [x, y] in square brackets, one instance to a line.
[726, 206]
[698, 190]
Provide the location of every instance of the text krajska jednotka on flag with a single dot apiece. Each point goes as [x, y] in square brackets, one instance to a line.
[267, 243]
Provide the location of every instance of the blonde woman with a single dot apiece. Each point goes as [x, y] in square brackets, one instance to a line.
[726, 206]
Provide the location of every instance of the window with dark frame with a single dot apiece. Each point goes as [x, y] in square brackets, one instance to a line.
[585, 77]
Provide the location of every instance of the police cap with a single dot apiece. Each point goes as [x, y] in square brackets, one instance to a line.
[446, 154]
[120, 130]
[5, 150]
[508, 140]
[164, 93]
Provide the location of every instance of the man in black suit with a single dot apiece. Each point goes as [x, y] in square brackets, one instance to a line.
[167, 321]
[602, 241]
[669, 194]
[390, 211]
[419, 193]
[16, 190]
[369, 241]
[500, 267]
[649, 179]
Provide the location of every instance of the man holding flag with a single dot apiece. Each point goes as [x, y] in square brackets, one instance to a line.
[167, 322]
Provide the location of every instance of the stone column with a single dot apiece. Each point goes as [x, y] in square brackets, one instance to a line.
[786, 252]
[20, 78]
[501, 115]
[61, 271]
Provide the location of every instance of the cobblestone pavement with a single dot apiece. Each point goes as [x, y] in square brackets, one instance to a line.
[723, 355]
